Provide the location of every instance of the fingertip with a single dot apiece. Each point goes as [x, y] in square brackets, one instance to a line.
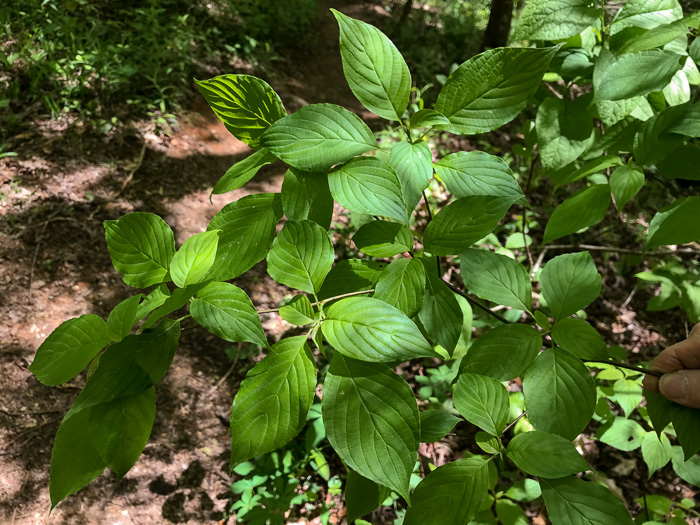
[651, 383]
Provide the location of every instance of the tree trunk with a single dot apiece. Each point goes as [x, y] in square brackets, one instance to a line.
[407, 8]
[498, 28]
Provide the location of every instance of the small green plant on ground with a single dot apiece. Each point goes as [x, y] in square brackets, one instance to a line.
[87, 57]
[366, 316]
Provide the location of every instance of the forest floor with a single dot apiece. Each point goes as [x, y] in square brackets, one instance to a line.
[54, 265]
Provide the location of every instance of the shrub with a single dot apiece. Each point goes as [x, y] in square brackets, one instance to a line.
[366, 316]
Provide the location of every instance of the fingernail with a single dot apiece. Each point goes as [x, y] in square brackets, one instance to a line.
[674, 387]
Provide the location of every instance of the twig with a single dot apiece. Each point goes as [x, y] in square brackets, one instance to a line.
[324, 301]
[21, 414]
[430, 219]
[533, 161]
[225, 376]
[477, 303]
[539, 261]
[512, 423]
[130, 176]
[612, 249]
[42, 425]
[40, 237]
[617, 364]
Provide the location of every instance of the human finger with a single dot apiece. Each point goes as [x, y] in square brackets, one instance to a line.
[680, 356]
[682, 387]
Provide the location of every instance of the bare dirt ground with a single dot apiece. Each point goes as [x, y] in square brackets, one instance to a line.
[54, 265]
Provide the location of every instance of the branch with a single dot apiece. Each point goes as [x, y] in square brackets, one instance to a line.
[324, 301]
[476, 302]
[430, 218]
[617, 364]
[612, 249]
[512, 423]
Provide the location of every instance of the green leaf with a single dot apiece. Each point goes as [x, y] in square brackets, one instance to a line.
[686, 121]
[153, 300]
[123, 317]
[491, 88]
[613, 111]
[686, 423]
[402, 285]
[301, 256]
[482, 401]
[247, 230]
[655, 37]
[584, 209]
[637, 74]
[414, 167]
[371, 330]
[572, 62]
[374, 69]
[427, 117]
[496, 278]
[441, 314]
[71, 471]
[488, 443]
[451, 493]
[625, 183]
[383, 239]
[298, 311]
[690, 299]
[468, 173]
[179, 298]
[646, 14]
[570, 174]
[564, 131]
[571, 500]
[370, 186]
[524, 490]
[436, 424]
[504, 352]
[656, 451]
[687, 469]
[653, 142]
[579, 338]
[678, 91]
[351, 275]
[623, 434]
[684, 163]
[510, 514]
[120, 429]
[307, 196]
[628, 394]
[226, 311]
[141, 246]
[362, 495]
[678, 223]
[194, 258]
[245, 104]
[659, 409]
[372, 422]
[131, 366]
[545, 455]
[560, 395]
[272, 403]
[554, 20]
[569, 283]
[318, 136]
[463, 222]
[69, 348]
[241, 172]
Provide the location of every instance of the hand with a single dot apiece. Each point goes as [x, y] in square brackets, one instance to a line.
[680, 364]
